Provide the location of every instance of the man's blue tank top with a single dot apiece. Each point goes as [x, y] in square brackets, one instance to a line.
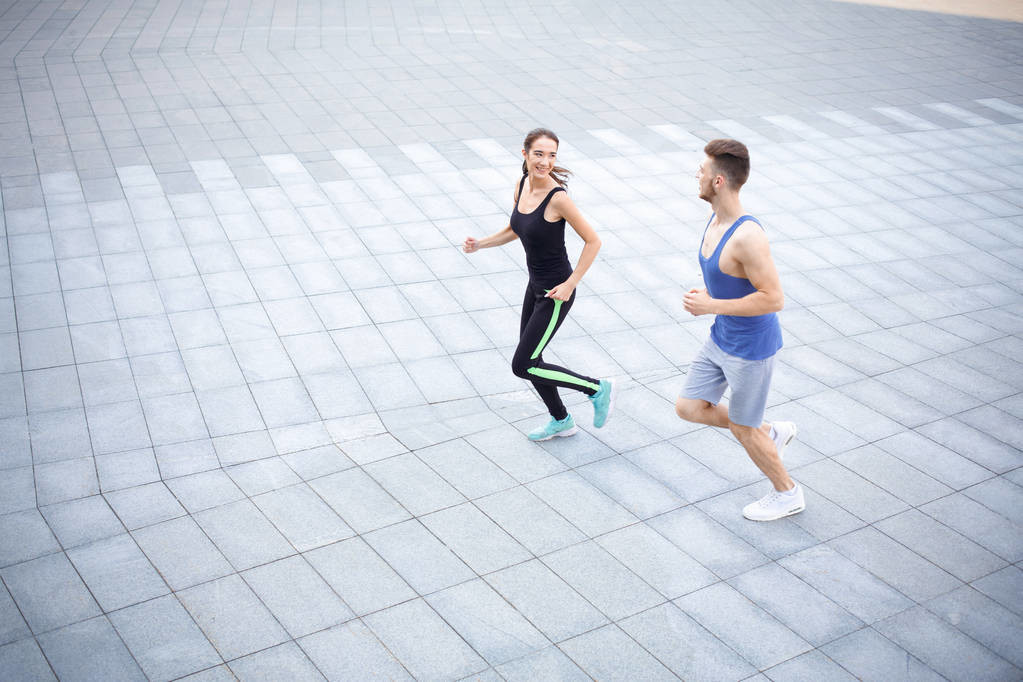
[750, 338]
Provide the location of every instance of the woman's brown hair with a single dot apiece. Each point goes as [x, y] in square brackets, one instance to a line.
[559, 174]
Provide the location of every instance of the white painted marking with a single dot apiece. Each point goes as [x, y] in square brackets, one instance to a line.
[617, 140]
[906, 118]
[682, 138]
[740, 132]
[1002, 106]
[960, 114]
[857, 125]
[794, 125]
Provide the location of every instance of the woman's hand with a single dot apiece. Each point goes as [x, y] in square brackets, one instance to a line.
[471, 245]
[698, 302]
[563, 291]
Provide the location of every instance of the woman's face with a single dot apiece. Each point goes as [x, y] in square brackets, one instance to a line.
[540, 157]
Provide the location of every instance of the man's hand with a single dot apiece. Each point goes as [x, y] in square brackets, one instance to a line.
[698, 302]
[470, 245]
[562, 292]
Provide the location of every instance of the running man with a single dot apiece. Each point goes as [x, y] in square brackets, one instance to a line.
[541, 208]
[744, 292]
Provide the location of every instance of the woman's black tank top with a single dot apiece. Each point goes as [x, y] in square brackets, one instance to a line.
[544, 242]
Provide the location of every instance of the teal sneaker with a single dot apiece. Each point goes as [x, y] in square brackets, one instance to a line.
[564, 427]
[603, 402]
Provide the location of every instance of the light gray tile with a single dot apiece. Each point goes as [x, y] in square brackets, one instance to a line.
[530, 520]
[243, 534]
[487, 622]
[260, 476]
[282, 661]
[359, 576]
[481, 543]
[631, 487]
[232, 617]
[793, 602]
[942, 464]
[852, 492]
[24, 535]
[657, 561]
[608, 653]
[941, 545]
[24, 659]
[69, 479]
[163, 639]
[702, 656]
[425, 644]
[870, 656]
[944, 648]
[776, 539]
[182, 552]
[89, 650]
[298, 598]
[59, 435]
[744, 627]
[711, 544]
[546, 600]
[17, 490]
[812, 665]
[983, 449]
[413, 484]
[144, 505]
[349, 651]
[49, 592]
[12, 625]
[205, 490]
[853, 588]
[304, 519]
[117, 573]
[549, 663]
[972, 519]
[1003, 587]
[983, 619]
[506, 448]
[117, 427]
[419, 557]
[466, 468]
[359, 500]
[581, 503]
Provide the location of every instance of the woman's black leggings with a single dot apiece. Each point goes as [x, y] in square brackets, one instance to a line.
[541, 317]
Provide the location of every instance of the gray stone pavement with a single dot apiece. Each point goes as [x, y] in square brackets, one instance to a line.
[256, 415]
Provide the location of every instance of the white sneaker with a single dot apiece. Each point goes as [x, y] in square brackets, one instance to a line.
[782, 434]
[775, 505]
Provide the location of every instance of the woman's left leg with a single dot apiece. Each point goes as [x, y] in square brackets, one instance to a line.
[543, 322]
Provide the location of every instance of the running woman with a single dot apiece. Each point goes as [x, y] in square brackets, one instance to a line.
[744, 293]
[541, 208]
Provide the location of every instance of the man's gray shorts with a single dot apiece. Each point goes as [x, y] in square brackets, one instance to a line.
[713, 370]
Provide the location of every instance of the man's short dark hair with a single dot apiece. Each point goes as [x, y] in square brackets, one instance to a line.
[731, 159]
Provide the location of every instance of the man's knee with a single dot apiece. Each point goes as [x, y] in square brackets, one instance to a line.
[742, 433]
[689, 408]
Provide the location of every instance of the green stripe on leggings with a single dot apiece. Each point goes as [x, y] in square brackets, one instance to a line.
[550, 330]
[561, 376]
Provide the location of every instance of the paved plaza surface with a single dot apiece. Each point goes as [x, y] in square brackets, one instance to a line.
[257, 418]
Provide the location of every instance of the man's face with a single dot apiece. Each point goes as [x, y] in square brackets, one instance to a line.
[707, 180]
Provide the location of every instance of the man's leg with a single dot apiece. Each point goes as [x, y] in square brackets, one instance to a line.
[762, 450]
[703, 412]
